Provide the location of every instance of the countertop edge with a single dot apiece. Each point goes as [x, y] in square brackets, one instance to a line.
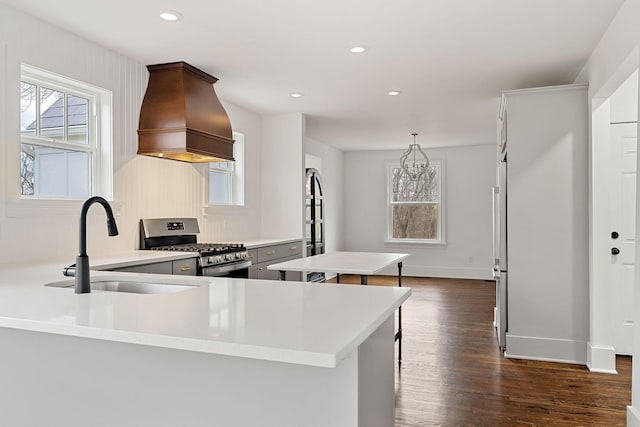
[215, 348]
[347, 350]
[338, 268]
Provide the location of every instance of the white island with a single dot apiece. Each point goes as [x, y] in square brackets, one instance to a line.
[227, 352]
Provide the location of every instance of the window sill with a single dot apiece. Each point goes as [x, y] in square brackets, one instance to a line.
[17, 207]
[414, 242]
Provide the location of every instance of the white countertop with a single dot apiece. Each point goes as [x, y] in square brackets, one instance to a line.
[258, 243]
[292, 322]
[364, 263]
[131, 258]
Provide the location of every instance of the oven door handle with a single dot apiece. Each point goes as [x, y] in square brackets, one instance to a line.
[217, 271]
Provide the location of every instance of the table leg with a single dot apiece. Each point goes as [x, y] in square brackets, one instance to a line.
[363, 279]
[399, 317]
[283, 275]
[337, 277]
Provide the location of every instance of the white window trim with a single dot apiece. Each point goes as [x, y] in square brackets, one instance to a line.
[17, 205]
[237, 181]
[388, 240]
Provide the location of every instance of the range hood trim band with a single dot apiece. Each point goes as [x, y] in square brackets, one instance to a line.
[184, 129]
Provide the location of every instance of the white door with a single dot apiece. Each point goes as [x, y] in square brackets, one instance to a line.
[623, 215]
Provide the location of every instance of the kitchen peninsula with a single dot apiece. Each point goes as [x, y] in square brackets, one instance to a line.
[222, 352]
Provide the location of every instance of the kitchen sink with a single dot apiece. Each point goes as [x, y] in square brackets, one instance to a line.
[128, 286]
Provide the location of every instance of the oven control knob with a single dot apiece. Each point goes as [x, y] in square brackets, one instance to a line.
[210, 260]
[228, 257]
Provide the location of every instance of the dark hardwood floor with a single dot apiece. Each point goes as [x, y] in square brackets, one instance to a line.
[453, 374]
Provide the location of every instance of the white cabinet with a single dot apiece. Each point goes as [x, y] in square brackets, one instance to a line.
[547, 222]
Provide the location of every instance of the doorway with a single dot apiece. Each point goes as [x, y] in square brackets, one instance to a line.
[613, 223]
[624, 142]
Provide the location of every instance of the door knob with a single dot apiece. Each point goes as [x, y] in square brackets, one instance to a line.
[615, 251]
[614, 235]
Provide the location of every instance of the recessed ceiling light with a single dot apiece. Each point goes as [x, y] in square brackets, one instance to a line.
[170, 15]
[357, 49]
[296, 95]
[393, 93]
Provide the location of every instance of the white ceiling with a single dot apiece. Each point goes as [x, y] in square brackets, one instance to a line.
[449, 58]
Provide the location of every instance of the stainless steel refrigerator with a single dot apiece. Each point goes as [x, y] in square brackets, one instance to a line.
[500, 267]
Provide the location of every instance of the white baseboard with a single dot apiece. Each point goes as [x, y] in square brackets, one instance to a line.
[441, 272]
[546, 349]
[633, 417]
[601, 359]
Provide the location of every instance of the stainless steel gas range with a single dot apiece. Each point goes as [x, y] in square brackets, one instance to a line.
[180, 234]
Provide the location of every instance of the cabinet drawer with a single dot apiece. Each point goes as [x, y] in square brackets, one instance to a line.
[165, 267]
[260, 271]
[252, 254]
[269, 253]
[185, 267]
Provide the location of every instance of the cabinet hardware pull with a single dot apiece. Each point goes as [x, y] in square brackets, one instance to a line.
[270, 252]
[293, 248]
[185, 268]
[249, 257]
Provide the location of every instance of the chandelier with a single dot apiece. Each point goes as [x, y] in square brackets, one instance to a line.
[411, 180]
[410, 162]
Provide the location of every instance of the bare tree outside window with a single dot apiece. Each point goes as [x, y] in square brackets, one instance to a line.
[28, 94]
[27, 170]
[415, 222]
[415, 205]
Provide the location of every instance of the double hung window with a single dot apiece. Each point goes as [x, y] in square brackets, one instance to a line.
[62, 154]
[415, 207]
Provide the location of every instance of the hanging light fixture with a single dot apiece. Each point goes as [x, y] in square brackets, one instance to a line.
[411, 180]
[414, 162]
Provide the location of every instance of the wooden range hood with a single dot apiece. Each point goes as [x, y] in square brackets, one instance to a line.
[181, 117]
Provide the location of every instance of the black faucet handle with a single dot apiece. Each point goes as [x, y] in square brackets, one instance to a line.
[69, 271]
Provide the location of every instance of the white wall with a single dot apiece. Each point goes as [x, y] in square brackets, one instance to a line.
[283, 165]
[624, 101]
[470, 174]
[332, 174]
[547, 224]
[143, 186]
[611, 62]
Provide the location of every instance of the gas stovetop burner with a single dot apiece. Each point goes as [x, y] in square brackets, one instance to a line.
[204, 248]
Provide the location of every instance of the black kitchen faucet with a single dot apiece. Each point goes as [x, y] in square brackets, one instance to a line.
[83, 281]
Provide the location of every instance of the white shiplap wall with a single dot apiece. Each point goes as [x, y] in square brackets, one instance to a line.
[143, 187]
